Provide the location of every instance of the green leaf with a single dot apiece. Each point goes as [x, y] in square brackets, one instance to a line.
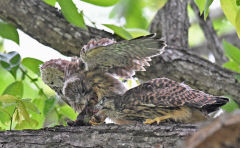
[238, 2]
[68, 112]
[231, 11]
[201, 5]
[4, 114]
[237, 77]
[10, 61]
[232, 66]
[230, 106]
[136, 32]
[133, 13]
[49, 105]
[231, 52]
[103, 3]
[8, 31]
[32, 64]
[206, 8]
[30, 106]
[21, 108]
[237, 22]
[15, 89]
[8, 99]
[71, 13]
[119, 31]
[129, 82]
[1, 46]
[26, 124]
[50, 2]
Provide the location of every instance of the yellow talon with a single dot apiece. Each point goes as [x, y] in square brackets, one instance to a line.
[157, 119]
[94, 123]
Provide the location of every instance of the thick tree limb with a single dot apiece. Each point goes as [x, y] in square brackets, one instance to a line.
[180, 65]
[47, 25]
[213, 43]
[183, 66]
[165, 135]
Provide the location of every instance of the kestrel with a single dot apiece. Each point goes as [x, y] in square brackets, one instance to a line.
[84, 81]
[158, 100]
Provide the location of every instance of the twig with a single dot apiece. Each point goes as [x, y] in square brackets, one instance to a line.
[213, 42]
[32, 80]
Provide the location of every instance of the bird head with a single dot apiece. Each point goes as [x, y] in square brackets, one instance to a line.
[52, 72]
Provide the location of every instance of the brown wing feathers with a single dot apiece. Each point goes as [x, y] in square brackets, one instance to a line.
[164, 92]
[122, 58]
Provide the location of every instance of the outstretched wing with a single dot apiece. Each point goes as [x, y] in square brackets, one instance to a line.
[164, 92]
[125, 57]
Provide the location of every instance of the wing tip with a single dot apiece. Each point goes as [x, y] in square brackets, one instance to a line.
[219, 101]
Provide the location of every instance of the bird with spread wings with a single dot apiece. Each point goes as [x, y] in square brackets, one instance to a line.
[85, 80]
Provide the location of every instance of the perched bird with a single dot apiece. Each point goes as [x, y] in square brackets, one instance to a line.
[84, 81]
[158, 100]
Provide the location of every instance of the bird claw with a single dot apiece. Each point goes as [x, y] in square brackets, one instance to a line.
[94, 123]
[157, 119]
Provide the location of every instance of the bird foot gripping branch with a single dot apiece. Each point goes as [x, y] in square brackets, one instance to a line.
[157, 119]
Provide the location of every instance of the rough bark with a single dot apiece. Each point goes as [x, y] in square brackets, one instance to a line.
[36, 19]
[171, 23]
[213, 43]
[47, 25]
[180, 65]
[165, 135]
[183, 66]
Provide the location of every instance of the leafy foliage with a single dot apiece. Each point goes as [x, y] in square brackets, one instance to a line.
[50, 2]
[23, 101]
[8, 31]
[231, 106]
[10, 61]
[119, 31]
[32, 64]
[230, 8]
[104, 3]
[134, 17]
[233, 54]
[71, 13]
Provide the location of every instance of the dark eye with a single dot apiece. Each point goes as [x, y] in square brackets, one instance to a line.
[51, 83]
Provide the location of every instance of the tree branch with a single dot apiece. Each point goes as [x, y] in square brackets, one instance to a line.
[203, 50]
[47, 25]
[180, 65]
[183, 66]
[213, 43]
[164, 135]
